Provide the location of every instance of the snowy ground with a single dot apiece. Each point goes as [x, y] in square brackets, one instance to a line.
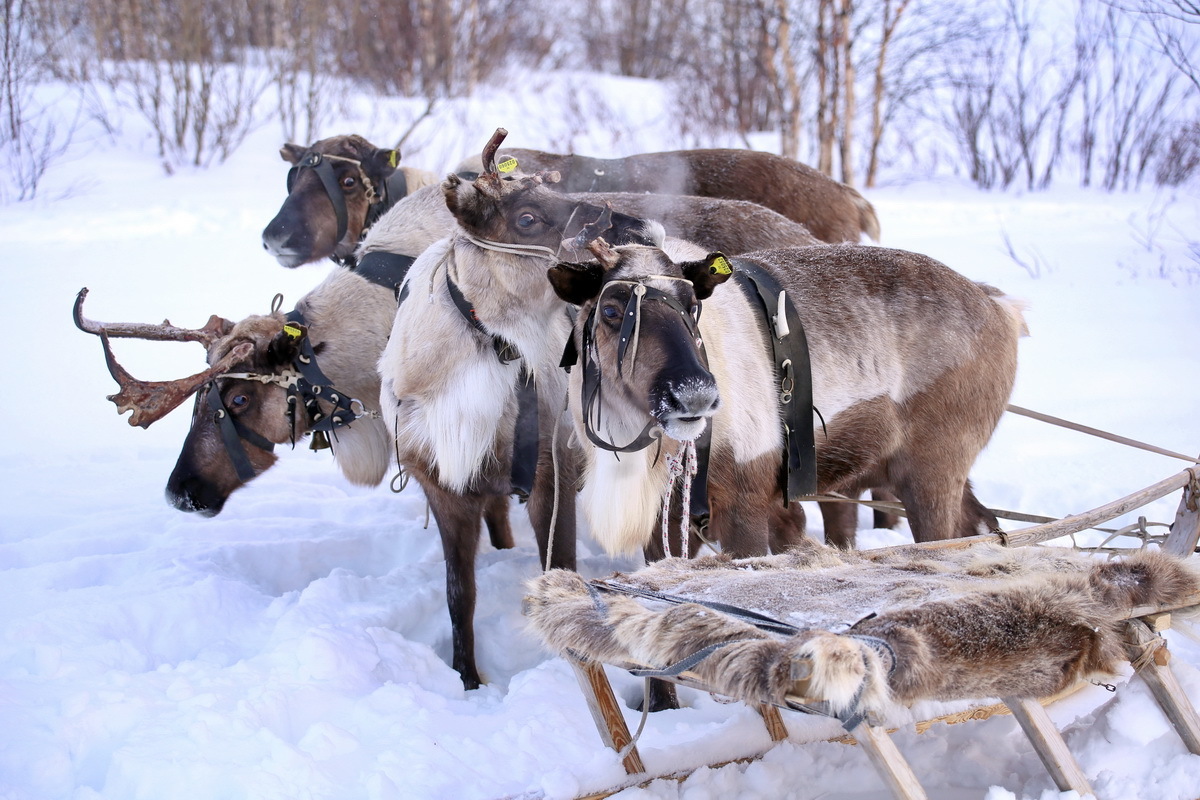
[296, 646]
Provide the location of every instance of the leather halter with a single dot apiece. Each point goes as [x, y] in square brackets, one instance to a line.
[305, 385]
[379, 199]
[629, 334]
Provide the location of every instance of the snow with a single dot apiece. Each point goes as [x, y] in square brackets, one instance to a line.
[297, 645]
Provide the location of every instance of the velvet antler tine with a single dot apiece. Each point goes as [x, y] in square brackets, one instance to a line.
[592, 231]
[215, 329]
[150, 401]
[489, 151]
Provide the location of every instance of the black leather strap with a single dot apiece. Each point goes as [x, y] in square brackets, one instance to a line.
[793, 372]
[383, 268]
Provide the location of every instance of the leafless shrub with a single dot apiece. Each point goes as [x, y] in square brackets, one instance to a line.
[33, 134]
[1181, 159]
[186, 68]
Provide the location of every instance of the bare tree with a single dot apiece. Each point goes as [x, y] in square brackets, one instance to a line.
[32, 134]
[892, 12]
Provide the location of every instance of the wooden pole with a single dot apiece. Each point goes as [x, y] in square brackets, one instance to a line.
[606, 712]
[1185, 530]
[1066, 525]
[1049, 744]
[1149, 655]
[889, 762]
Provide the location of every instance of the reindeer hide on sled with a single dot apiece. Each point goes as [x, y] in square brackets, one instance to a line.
[868, 628]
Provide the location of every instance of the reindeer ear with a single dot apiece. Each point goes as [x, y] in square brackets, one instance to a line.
[284, 348]
[383, 162]
[291, 152]
[576, 283]
[708, 274]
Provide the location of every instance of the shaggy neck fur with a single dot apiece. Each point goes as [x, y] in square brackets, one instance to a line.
[445, 395]
[348, 319]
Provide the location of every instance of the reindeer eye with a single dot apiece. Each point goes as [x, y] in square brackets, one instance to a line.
[695, 309]
[610, 312]
[525, 220]
[348, 182]
[239, 401]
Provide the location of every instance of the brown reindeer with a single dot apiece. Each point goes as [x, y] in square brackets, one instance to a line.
[832, 211]
[912, 366]
[337, 188]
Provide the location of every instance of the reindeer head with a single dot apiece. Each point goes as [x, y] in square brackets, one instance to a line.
[514, 208]
[638, 333]
[332, 186]
[236, 400]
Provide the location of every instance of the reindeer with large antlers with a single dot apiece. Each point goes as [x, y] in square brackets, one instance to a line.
[259, 390]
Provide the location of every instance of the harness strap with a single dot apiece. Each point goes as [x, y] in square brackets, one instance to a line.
[384, 269]
[525, 435]
[789, 349]
[595, 174]
[319, 164]
[313, 384]
[760, 621]
[505, 350]
[233, 433]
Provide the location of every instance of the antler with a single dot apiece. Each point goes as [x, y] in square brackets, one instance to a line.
[488, 181]
[489, 151]
[604, 253]
[150, 401]
[213, 331]
[592, 231]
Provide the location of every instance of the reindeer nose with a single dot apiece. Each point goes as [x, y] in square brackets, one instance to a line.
[689, 400]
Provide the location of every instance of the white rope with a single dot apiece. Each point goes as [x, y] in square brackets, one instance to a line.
[554, 464]
[512, 249]
[680, 465]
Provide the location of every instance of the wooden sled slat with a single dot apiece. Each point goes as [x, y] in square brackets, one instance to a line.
[1149, 655]
[1049, 745]
[888, 762]
[606, 711]
[1185, 530]
[1035, 534]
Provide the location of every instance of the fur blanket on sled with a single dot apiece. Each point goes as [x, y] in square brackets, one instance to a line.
[871, 627]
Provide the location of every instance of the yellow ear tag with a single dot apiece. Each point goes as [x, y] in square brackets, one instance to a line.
[393, 158]
[293, 331]
[720, 266]
[507, 165]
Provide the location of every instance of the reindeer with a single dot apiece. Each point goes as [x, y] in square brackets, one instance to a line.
[832, 211]
[912, 366]
[337, 188]
[259, 393]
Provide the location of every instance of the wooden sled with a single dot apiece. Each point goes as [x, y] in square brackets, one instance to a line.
[1035, 621]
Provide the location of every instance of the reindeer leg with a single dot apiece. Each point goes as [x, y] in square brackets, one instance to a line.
[884, 519]
[975, 518]
[841, 524]
[787, 526]
[458, 519]
[542, 499]
[495, 518]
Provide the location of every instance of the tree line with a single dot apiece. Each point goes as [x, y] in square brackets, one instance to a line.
[1010, 93]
